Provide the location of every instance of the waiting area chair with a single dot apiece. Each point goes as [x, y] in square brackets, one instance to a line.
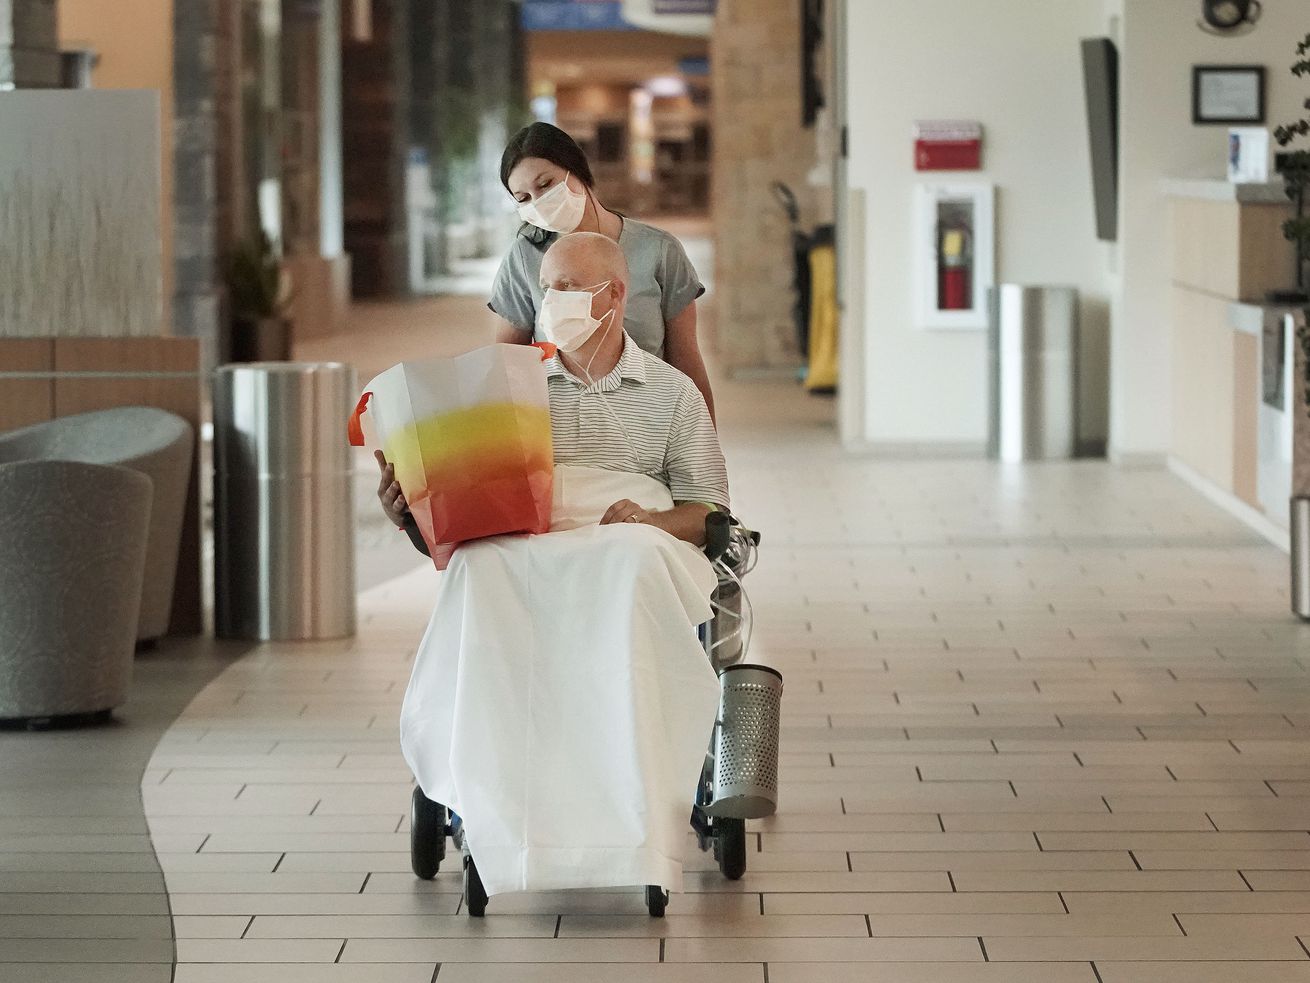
[152, 441]
[73, 541]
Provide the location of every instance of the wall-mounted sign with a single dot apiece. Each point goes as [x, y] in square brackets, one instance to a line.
[685, 6]
[690, 17]
[947, 145]
[574, 15]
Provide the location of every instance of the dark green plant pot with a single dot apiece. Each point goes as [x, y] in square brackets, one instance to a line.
[265, 340]
[1287, 298]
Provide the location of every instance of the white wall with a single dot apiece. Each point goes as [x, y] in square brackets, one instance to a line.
[1160, 44]
[1014, 65]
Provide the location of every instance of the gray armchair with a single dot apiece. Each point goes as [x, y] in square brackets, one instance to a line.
[155, 442]
[73, 539]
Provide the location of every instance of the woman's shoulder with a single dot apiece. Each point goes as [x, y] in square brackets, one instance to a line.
[531, 243]
[646, 234]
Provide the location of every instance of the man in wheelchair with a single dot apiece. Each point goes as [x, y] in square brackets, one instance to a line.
[560, 701]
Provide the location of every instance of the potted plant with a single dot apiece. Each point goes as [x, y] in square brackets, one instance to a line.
[258, 291]
[1295, 168]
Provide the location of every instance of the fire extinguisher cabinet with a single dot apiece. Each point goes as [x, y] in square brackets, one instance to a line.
[1032, 348]
[953, 254]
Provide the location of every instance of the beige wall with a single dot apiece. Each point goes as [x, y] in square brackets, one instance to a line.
[134, 39]
[758, 139]
[1159, 45]
[1014, 66]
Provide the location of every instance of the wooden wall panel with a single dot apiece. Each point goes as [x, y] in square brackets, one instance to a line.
[26, 401]
[1203, 386]
[1205, 245]
[1266, 259]
[1246, 417]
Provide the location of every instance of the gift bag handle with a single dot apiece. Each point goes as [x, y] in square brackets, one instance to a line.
[353, 428]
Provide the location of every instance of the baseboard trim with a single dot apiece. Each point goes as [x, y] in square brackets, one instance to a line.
[1137, 460]
[764, 373]
[1233, 505]
[921, 450]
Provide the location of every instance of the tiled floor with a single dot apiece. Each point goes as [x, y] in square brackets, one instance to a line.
[1041, 724]
[78, 873]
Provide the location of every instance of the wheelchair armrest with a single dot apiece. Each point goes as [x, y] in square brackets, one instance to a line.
[415, 537]
[718, 533]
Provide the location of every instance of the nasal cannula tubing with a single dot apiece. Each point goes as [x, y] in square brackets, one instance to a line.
[604, 402]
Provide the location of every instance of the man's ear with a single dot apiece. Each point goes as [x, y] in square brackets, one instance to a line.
[620, 290]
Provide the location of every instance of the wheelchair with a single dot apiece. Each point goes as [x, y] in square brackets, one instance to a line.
[731, 548]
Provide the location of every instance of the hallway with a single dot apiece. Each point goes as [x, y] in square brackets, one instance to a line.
[1040, 724]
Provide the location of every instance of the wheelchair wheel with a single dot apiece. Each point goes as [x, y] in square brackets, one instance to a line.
[475, 895]
[730, 847]
[427, 835]
[657, 899]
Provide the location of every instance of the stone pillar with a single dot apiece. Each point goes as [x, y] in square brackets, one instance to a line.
[481, 98]
[200, 28]
[29, 45]
[375, 138]
[755, 57]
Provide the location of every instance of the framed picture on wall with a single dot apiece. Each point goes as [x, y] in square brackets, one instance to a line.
[1228, 94]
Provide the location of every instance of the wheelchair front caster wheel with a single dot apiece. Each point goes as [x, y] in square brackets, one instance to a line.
[475, 895]
[730, 847]
[657, 899]
[427, 835]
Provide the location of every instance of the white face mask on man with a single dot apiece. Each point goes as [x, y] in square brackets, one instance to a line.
[560, 209]
[565, 317]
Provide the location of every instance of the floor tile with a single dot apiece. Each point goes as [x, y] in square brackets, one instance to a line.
[1007, 690]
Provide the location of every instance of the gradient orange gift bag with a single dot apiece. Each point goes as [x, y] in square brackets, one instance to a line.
[470, 441]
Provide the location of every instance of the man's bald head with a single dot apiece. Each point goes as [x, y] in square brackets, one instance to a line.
[581, 260]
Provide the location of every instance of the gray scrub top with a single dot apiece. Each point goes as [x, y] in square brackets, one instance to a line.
[663, 282]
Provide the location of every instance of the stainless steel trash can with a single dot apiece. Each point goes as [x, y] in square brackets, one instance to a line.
[1300, 550]
[284, 557]
[746, 743]
[1033, 372]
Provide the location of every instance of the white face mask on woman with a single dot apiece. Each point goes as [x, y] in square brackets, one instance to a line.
[565, 317]
[560, 209]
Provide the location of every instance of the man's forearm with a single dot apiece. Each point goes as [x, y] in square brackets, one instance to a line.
[511, 334]
[686, 522]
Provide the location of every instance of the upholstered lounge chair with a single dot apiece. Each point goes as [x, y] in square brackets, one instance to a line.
[157, 443]
[72, 561]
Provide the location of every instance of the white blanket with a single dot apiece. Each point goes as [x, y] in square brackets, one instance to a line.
[560, 702]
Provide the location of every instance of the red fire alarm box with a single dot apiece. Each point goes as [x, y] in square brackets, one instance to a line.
[947, 145]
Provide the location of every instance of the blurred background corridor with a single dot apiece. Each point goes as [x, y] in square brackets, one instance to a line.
[1003, 312]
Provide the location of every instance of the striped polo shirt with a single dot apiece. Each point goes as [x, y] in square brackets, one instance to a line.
[644, 417]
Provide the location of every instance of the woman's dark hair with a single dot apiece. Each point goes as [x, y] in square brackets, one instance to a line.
[549, 143]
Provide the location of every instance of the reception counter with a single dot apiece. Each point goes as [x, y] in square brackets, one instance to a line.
[1228, 345]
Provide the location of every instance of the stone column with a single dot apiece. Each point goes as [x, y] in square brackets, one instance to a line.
[200, 32]
[755, 58]
[481, 98]
[375, 138]
[29, 45]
